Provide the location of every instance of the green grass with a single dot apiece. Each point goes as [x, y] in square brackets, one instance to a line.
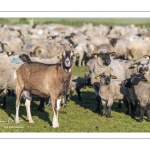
[78, 22]
[76, 117]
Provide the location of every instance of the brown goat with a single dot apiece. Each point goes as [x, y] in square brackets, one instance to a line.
[44, 80]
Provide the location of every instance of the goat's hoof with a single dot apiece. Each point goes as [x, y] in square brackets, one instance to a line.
[56, 126]
[4, 106]
[17, 121]
[31, 121]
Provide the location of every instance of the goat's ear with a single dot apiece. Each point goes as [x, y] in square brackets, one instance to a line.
[131, 75]
[97, 77]
[95, 55]
[72, 53]
[113, 77]
[147, 57]
[112, 53]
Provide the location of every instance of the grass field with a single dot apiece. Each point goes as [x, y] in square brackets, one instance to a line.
[76, 117]
[78, 22]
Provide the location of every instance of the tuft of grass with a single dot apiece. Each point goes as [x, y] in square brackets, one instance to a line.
[75, 117]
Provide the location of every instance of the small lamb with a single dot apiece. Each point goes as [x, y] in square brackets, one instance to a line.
[109, 91]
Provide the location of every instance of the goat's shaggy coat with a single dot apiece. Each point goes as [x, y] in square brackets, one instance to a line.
[34, 78]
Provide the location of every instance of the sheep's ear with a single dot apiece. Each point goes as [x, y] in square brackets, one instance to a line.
[144, 79]
[10, 53]
[70, 45]
[59, 55]
[112, 53]
[97, 77]
[147, 57]
[95, 55]
[133, 65]
[113, 77]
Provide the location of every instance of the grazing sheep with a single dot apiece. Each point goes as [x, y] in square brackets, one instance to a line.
[142, 93]
[7, 75]
[109, 91]
[44, 80]
[77, 83]
[137, 49]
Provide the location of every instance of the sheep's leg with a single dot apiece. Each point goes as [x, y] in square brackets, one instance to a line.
[126, 104]
[28, 104]
[104, 107]
[134, 105]
[56, 107]
[98, 100]
[41, 105]
[79, 61]
[119, 104]
[70, 95]
[18, 97]
[63, 102]
[79, 94]
[109, 105]
[148, 113]
[49, 102]
[4, 105]
[142, 110]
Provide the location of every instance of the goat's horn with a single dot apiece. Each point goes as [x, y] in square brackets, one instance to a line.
[64, 47]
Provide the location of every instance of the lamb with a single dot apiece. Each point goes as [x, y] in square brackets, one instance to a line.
[142, 93]
[44, 80]
[77, 83]
[109, 91]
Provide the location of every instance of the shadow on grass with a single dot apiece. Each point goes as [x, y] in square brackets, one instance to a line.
[11, 110]
[88, 100]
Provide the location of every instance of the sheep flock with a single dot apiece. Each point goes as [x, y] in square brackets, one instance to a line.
[38, 61]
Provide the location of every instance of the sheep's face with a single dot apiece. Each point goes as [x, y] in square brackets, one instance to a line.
[105, 78]
[127, 83]
[67, 58]
[103, 57]
[137, 77]
[143, 69]
[24, 58]
[113, 42]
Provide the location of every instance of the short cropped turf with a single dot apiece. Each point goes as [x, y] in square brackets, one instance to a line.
[75, 117]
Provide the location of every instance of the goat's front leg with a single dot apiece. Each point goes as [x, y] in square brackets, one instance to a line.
[18, 97]
[28, 109]
[56, 107]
